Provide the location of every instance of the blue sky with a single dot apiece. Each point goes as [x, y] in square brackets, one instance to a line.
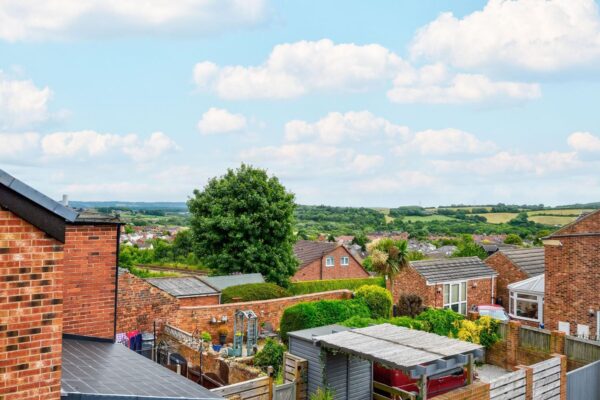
[349, 103]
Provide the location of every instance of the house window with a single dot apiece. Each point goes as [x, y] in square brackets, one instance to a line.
[455, 297]
[329, 261]
[526, 306]
[345, 261]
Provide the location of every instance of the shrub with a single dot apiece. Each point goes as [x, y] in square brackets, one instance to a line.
[410, 305]
[513, 238]
[321, 394]
[483, 331]
[307, 287]
[361, 322]
[441, 321]
[205, 336]
[270, 355]
[378, 299]
[253, 291]
[320, 313]
[411, 323]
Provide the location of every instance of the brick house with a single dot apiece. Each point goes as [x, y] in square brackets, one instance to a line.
[58, 279]
[325, 260]
[455, 283]
[572, 281]
[514, 265]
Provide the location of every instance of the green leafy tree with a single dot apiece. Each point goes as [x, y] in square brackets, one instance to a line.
[389, 257]
[243, 222]
[513, 238]
[361, 239]
[468, 248]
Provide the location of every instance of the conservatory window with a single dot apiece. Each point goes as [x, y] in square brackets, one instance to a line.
[526, 306]
[455, 297]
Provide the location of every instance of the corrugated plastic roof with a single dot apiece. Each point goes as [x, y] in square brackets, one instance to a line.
[225, 281]
[187, 286]
[533, 285]
[452, 269]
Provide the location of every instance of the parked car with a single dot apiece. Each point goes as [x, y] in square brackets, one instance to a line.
[492, 310]
[436, 384]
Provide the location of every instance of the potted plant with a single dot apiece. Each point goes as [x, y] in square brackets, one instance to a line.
[206, 339]
[223, 332]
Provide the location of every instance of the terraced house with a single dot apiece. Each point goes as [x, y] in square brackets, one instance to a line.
[58, 279]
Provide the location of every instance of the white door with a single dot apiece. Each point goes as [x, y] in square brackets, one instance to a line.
[583, 331]
[564, 327]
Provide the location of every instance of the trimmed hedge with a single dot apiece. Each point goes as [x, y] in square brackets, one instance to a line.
[360, 322]
[378, 299]
[252, 292]
[307, 287]
[442, 321]
[320, 313]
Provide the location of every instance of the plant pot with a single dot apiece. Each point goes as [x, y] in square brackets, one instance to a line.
[222, 339]
[217, 347]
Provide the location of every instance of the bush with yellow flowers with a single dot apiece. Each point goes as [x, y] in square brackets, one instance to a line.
[482, 331]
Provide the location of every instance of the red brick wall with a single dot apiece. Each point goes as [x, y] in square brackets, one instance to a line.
[318, 271]
[507, 273]
[139, 304]
[192, 318]
[199, 301]
[409, 281]
[89, 280]
[30, 311]
[573, 282]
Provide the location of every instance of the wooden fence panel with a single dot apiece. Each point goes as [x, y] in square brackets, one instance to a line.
[534, 338]
[255, 389]
[582, 350]
[509, 387]
[296, 370]
[546, 379]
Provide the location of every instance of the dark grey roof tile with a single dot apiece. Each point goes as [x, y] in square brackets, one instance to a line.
[452, 269]
[531, 261]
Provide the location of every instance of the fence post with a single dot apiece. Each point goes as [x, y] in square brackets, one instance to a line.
[563, 375]
[270, 373]
[512, 343]
[528, 380]
[557, 342]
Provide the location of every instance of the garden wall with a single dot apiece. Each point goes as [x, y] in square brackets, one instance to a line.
[192, 318]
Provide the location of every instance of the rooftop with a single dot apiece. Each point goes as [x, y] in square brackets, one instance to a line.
[530, 261]
[400, 347]
[533, 285]
[452, 269]
[187, 286]
[225, 281]
[112, 371]
[310, 333]
[308, 251]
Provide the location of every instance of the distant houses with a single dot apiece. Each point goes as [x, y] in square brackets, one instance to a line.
[326, 260]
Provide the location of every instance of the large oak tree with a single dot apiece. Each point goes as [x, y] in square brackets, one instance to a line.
[243, 222]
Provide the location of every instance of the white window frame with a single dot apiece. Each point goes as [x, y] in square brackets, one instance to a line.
[512, 306]
[346, 259]
[328, 259]
[462, 296]
[583, 331]
[564, 327]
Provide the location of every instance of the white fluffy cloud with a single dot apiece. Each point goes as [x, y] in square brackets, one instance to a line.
[218, 120]
[538, 35]
[14, 144]
[293, 69]
[584, 142]
[444, 141]
[91, 143]
[67, 19]
[402, 181]
[22, 103]
[336, 127]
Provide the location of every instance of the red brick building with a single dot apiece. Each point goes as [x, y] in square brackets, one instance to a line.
[58, 279]
[514, 265]
[325, 260]
[455, 283]
[572, 282]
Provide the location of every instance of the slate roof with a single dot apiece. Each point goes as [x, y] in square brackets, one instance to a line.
[38, 198]
[187, 286]
[533, 285]
[225, 281]
[112, 371]
[530, 261]
[308, 251]
[87, 216]
[452, 269]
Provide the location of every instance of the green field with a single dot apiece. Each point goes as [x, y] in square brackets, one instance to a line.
[498, 218]
[427, 218]
[552, 219]
[565, 212]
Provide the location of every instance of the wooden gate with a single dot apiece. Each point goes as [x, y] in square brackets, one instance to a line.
[285, 391]
[295, 371]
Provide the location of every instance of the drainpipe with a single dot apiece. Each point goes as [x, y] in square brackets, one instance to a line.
[493, 299]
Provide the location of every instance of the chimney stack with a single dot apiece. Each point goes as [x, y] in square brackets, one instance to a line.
[65, 200]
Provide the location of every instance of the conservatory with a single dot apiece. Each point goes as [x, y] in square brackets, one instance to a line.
[527, 299]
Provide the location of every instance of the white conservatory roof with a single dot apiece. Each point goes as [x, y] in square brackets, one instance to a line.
[533, 285]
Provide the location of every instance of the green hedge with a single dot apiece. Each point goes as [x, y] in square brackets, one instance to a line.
[407, 322]
[320, 313]
[378, 299]
[307, 287]
[253, 291]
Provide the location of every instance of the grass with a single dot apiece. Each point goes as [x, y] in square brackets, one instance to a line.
[427, 218]
[498, 218]
[146, 273]
[565, 212]
[552, 219]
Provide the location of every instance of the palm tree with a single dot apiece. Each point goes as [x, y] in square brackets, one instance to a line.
[389, 257]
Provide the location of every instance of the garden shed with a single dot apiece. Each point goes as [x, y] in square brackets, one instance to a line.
[341, 358]
[348, 377]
